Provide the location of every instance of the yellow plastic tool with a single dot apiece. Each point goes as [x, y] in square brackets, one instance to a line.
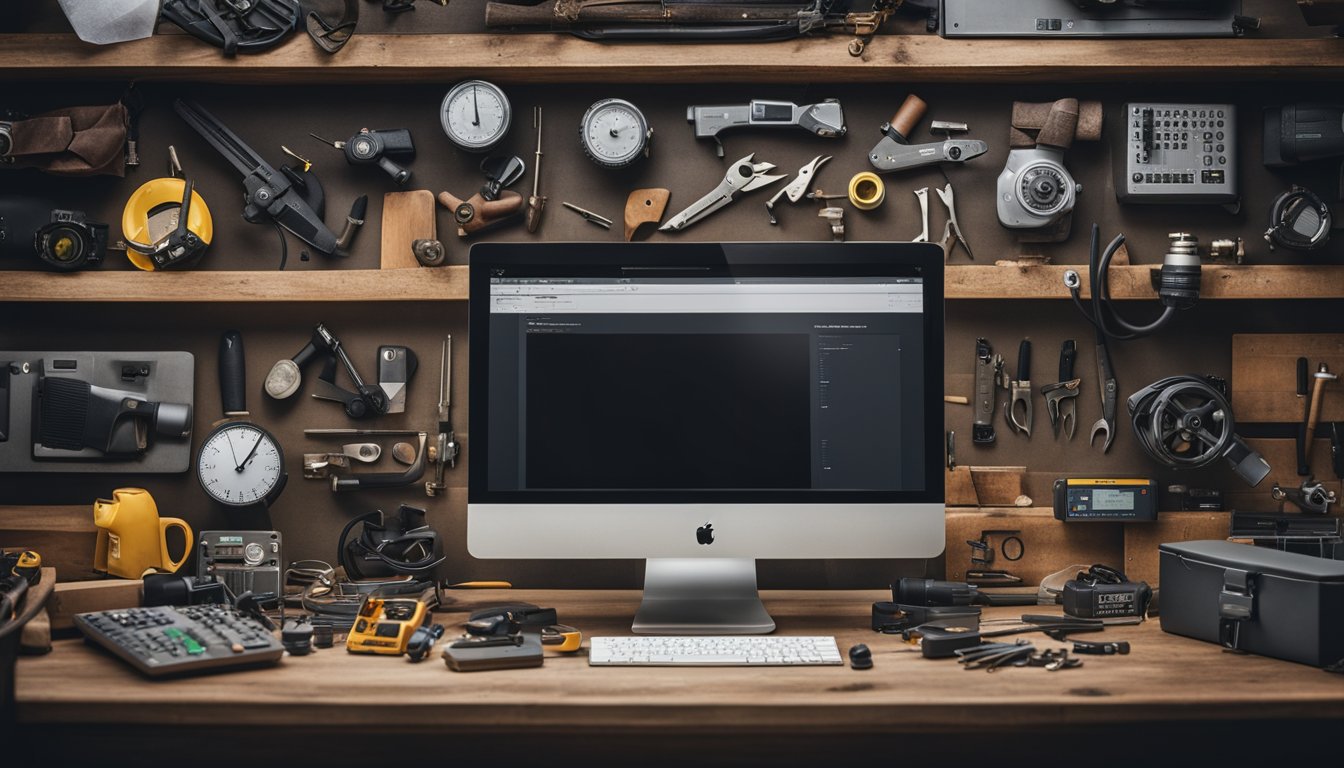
[131, 535]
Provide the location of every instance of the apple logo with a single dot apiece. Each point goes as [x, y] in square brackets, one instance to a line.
[705, 534]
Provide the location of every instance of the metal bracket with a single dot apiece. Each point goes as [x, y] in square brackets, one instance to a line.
[1236, 605]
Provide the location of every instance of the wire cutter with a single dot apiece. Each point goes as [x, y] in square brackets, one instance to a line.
[1061, 398]
[742, 176]
[795, 189]
[952, 231]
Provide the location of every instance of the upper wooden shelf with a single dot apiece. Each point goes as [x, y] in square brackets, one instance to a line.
[550, 57]
[450, 284]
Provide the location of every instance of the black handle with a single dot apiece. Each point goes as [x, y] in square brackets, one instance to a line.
[1067, 354]
[1024, 361]
[232, 374]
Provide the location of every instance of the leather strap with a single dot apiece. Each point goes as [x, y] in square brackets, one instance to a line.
[75, 141]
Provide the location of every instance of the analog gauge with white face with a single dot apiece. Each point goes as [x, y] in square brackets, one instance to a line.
[614, 133]
[476, 115]
[241, 464]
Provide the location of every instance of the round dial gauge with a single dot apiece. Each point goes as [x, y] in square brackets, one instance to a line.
[240, 464]
[614, 133]
[1043, 189]
[475, 115]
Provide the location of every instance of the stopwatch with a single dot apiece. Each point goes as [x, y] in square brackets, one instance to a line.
[614, 133]
[240, 464]
[476, 115]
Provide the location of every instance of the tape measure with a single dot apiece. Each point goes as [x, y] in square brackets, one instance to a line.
[152, 225]
[866, 191]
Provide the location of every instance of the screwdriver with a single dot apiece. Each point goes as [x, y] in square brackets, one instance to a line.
[537, 201]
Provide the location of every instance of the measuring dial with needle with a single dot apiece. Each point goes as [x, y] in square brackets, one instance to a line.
[240, 464]
[614, 133]
[476, 115]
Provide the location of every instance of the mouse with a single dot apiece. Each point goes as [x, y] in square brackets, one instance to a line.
[860, 657]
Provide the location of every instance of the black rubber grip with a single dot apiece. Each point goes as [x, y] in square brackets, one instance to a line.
[232, 374]
[1067, 354]
[1024, 361]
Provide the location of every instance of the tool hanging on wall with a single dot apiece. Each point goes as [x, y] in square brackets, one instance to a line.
[743, 176]
[596, 219]
[166, 223]
[1311, 497]
[988, 376]
[286, 377]
[476, 115]
[794, 189]
[895, 152]
[445, 449]
[951, 230]
[381, 146]
[1321, 378]
[290, 198]
[1061, 398]
[1185, 422]
[1036, 194]
[614, 134]
[1020, 392]
[536, 202]
[825, 119]
[922, 195]
[317, 466]
[1299, 219]
[332, 36]
[492, 206]
[240, 463]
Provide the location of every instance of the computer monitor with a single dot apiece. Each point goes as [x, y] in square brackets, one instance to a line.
[702, 405]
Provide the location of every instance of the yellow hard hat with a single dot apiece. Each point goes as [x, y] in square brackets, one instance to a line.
[150, 222]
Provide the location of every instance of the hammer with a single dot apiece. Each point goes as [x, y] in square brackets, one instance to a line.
[1322, 376]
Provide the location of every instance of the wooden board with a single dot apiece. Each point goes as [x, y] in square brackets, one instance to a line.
[71, 598]
[1264, 375]
[438, 284]
[407, 217]
[63, 535]
[1142, 539]
[542, 57]
[1048, 544]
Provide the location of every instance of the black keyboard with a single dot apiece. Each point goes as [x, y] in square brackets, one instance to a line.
[164, 641]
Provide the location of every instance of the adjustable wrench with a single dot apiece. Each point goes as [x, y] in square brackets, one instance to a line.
[1021, 391]
[1109, 390]
[1061, 398]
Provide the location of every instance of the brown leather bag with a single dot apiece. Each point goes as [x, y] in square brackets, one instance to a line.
[75, 141]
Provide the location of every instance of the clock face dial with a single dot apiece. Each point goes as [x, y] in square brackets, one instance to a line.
[615, 133]
[240, 464]
[475, 115]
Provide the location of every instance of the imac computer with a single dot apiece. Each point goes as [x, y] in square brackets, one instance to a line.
[702, 405]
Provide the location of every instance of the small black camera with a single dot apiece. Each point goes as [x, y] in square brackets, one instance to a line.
[64, 240]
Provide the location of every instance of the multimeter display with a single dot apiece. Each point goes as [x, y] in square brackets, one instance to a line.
[1106, 499]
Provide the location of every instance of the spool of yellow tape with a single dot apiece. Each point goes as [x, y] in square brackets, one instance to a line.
[866, 191]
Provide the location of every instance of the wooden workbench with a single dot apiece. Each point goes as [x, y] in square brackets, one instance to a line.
[1193, 692]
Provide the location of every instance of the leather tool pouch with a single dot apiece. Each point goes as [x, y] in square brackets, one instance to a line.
[75, 141]
[1255, 599]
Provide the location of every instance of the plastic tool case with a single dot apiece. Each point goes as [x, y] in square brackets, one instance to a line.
[1255, 599]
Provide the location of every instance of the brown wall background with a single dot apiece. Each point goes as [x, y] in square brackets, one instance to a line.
[310, 516]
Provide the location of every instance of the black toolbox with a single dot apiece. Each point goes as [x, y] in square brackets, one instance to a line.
[1255, 599]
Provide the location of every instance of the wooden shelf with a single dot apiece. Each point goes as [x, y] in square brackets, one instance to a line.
[547, 57]
[450, 284]
[441, 284]
[1046, 281]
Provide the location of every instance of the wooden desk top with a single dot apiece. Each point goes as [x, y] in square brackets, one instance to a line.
[1165, 678]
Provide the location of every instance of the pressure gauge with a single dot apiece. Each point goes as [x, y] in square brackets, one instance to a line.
[241, 464]
[475, 115]
[614, 133]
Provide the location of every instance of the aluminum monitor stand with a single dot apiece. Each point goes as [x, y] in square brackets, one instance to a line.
[701, 596]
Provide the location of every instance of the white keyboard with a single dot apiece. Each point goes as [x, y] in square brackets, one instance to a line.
[720, 650]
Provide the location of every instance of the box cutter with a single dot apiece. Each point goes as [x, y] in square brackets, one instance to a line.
[742, 176]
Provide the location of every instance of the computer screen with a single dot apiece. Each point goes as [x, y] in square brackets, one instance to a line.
[705, 401]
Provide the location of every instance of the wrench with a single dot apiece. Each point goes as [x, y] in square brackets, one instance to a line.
[1108, 389]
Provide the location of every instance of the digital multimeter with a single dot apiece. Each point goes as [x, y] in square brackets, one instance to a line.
[385, 626]
[1128, 500]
